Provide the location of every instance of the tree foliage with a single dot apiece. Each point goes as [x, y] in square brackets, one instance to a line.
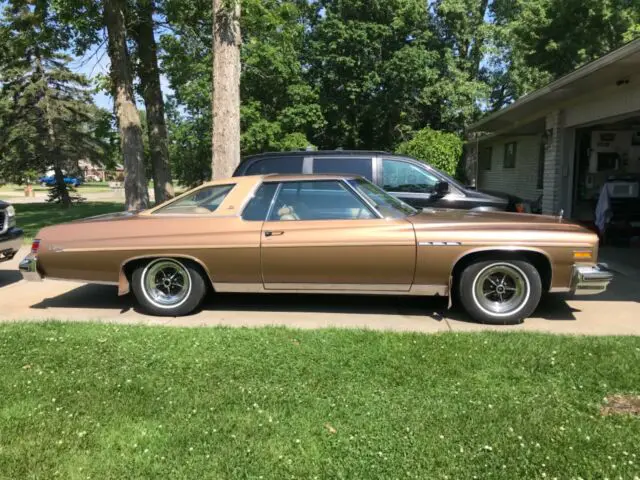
[48, 117]
[358, 73]
[442, 150]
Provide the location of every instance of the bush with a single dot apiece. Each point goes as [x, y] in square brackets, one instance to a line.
[442, 150]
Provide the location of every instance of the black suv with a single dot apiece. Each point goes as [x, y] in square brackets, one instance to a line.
[10, 235]
[418, 184]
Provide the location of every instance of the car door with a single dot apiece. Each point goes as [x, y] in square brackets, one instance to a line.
[320, 235]
[410, 183]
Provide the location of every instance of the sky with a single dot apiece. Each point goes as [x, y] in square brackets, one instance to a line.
[96, 62]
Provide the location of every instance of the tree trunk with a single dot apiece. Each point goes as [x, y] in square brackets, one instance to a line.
[226, 88]
[135, 183]
[153, 101]
[63, 192]
[475, 55]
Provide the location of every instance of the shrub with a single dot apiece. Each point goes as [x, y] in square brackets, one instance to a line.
[442, 150]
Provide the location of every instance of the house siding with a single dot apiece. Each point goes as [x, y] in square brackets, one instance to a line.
[603, 104]
[520, 181]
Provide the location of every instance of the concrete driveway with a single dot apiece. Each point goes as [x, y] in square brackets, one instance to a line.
[616, 312]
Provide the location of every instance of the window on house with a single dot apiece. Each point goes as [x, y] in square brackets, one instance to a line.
[484, 158]
[540, 183]
[510, 155]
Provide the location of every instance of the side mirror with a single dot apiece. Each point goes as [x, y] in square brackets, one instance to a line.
[442, 188]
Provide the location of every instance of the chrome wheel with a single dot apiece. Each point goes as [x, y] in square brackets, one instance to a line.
[166, 283]
[501, 289]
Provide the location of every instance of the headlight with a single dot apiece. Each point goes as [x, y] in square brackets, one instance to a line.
[11, 212]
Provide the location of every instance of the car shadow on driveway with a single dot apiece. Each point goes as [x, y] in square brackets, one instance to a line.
[91, 296]
[8, 277]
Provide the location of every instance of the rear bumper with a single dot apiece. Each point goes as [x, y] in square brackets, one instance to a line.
[29, 268]
[590, 279]
[10, 243]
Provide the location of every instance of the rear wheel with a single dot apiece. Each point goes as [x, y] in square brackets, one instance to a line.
[169, 287]
[500, 292]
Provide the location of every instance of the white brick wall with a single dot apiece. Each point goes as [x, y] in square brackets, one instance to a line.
[521, 180]
[553, 164]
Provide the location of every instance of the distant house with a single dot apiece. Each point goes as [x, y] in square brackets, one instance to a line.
[564, 140]
[94, 171]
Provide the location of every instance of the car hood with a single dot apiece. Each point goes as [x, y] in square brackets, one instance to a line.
[465, 219]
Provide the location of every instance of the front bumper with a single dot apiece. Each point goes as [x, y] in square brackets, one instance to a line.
[590, 279]
[10, 243]
[29, 268]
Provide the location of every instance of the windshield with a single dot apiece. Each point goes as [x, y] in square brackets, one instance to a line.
[388, 205]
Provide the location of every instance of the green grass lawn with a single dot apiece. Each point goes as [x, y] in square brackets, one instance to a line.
[104, 401]
[31, 217]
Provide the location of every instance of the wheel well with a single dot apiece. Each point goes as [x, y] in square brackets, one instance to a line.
[537, 259]
[130, 266]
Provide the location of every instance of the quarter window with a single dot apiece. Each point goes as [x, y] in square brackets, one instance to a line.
[199, 202]
[276, 165]
[352, 166]
[318, 200]
[399, 176]
[258, 207]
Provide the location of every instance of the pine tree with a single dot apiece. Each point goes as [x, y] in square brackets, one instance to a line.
[48, 118]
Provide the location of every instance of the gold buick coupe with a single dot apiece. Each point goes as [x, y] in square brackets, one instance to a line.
[321, 234]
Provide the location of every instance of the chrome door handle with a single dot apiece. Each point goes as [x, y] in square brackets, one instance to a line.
[270, 233]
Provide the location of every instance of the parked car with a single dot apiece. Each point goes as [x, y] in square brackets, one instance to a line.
[414, 182]
[10, 234]
[321, 234]
[49, 181]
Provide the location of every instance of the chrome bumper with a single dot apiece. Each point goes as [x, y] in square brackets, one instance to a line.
[29, 268]
[590, 279]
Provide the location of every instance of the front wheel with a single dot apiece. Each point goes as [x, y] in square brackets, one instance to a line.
[169, 287]
[500, 292]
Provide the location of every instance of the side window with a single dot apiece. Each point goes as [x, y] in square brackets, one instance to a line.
[258, 206]
[399, 176]
[348, 165]
[541, 154]
[276, 165]
[202, 201]
[510, 152]
[484, 158]
[318, 200]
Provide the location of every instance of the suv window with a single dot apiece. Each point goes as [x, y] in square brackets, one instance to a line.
[348, 165]
[201, 202]
[399, 176]
[318, 200]
[276, 165]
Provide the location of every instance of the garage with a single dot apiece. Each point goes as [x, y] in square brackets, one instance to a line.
[571, 148]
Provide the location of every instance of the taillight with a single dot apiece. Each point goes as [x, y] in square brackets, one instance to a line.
[35, 245]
